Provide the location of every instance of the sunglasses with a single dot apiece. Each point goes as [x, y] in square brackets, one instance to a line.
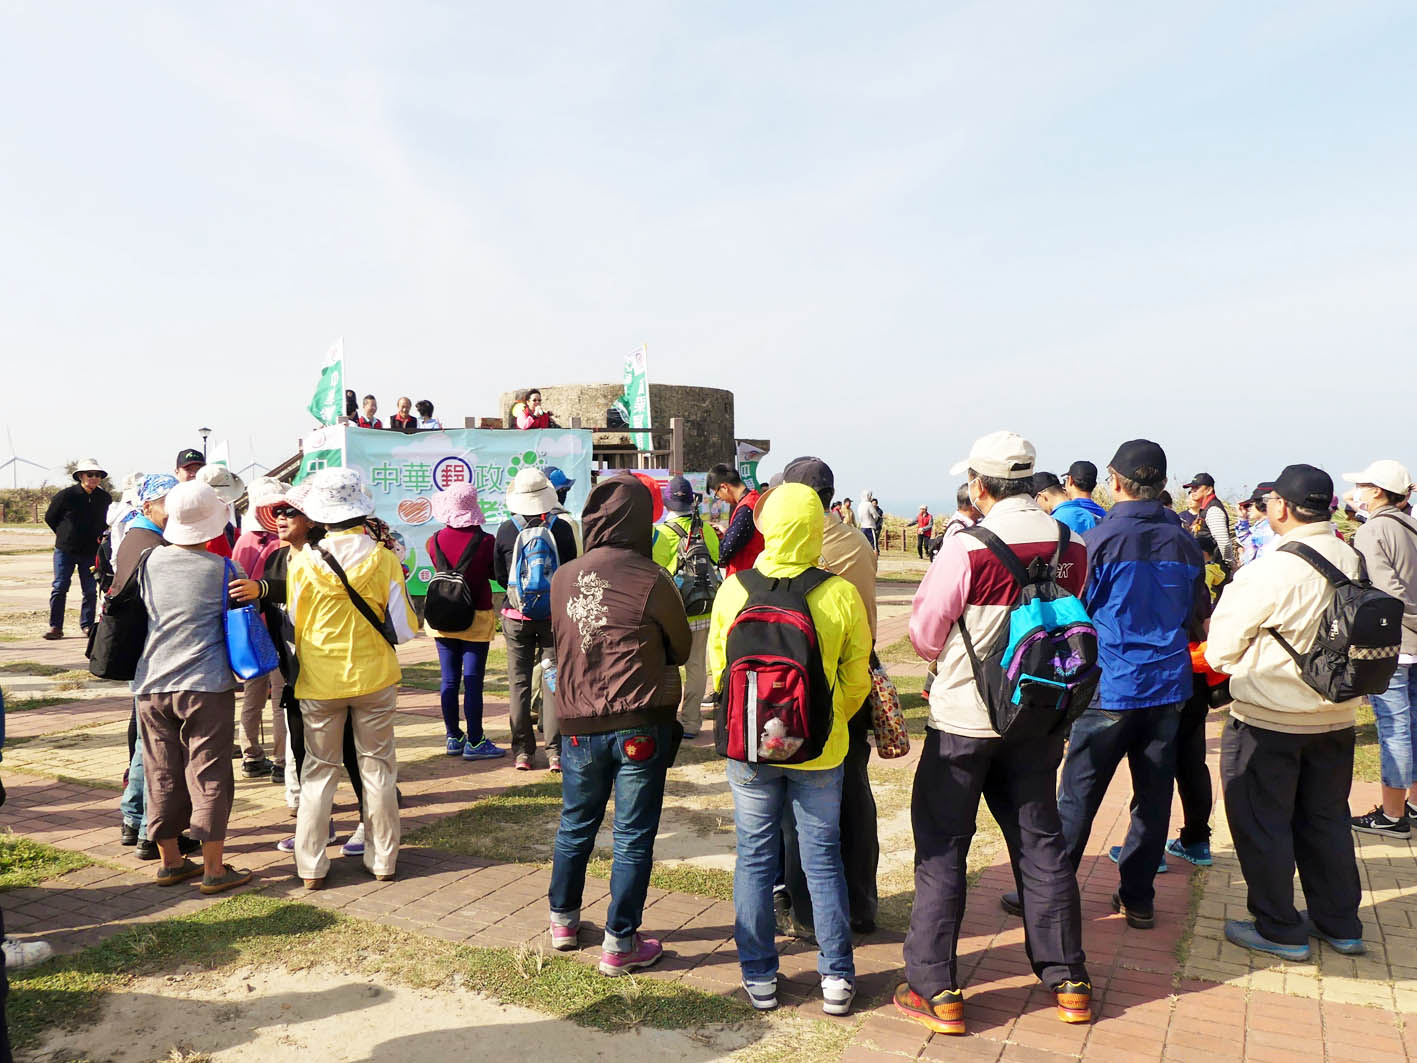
[285, 511]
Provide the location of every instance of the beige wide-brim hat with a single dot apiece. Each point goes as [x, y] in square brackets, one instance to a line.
[228, 486]
[263, 493]
[332, 496]
[89, 465]
[195, 514]
[1388, 474]
[531, 494]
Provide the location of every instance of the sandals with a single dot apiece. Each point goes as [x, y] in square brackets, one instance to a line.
[171, 876]
[230, 878]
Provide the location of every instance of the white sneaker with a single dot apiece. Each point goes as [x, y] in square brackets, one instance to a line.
[21, 954]
[837, 995]
[762, 995]
[355, 845]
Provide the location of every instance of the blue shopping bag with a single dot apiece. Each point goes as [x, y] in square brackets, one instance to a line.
[248, 643]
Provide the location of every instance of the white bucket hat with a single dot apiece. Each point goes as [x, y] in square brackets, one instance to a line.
[228, 486]
[262, 491]
[531, 494]
[333, 495]
[1006, 455]
[195, 514]
[131, 483]
[1388, 474]
[89, 465]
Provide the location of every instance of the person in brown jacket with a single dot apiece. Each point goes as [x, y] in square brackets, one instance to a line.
[620, 634]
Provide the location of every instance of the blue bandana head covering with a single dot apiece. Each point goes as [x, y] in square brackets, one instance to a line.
[155, 486]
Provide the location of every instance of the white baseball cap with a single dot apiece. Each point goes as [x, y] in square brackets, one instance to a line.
[1388, 474]
[1005, 455]
[195, 514]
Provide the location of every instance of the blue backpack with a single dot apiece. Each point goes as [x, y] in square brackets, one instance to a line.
[534, 561]
[1042, 670]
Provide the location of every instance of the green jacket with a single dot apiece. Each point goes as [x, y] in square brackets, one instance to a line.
[666, 544]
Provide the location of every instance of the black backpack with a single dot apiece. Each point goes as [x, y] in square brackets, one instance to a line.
[774, 701]
[449, 605]
[695, 575]
[1359, 636]
[116, 642]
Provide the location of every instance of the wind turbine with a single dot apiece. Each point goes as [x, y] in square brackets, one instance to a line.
[14, 462]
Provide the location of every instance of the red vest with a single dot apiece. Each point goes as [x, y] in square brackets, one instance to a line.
[745, 557]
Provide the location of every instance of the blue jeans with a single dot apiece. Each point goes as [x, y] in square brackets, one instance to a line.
[1393, 710]
[761, 792]
[1100, 738]
[134, 806]
[464, 662]
[590, 766]
[64, 566]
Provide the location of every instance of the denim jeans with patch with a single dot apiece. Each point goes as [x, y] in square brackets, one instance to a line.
[133, 806]
[1395, 713]
[633, 762]
[761, 792]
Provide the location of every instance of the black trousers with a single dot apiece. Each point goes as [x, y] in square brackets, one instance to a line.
[295, 724]
[1017, 780]
[860, 843]
[1192, 776]
[1286, 798]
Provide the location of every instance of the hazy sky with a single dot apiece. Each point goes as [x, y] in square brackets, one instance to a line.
[888, 228]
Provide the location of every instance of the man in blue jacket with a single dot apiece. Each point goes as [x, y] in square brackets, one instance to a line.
[1146, 595]
[1078, 511]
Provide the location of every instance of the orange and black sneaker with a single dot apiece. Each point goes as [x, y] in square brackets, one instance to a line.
[1074, 1001]
[943, 1013]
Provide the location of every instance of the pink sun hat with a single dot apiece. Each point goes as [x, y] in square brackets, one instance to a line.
[457, 507]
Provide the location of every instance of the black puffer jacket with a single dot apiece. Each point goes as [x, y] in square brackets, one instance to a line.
[618, 622]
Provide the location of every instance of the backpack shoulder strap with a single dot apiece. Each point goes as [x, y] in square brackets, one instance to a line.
[473, 542]
[808, 581]
[754, 582]
[1001, 550]
[1321, 564]
[1398, 517]
[440, 559]
[361, 606]
[672, 526]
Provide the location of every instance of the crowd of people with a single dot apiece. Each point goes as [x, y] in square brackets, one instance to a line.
[773, 622]
[365, 414]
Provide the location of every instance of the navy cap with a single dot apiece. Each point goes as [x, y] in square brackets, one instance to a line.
[1141, 461]
[1042, 481]
[1304, 485]
[1261, 490]
[1083, 474]
[681, 497]
[813, 472]
[558, 479]
[1200, 479]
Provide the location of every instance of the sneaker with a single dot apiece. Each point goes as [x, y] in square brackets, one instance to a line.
[1345, 946]
[484, 750]
[20, 954]
[1074, 1001]
[256, 769]
[1242, 932]
[1115, 855]
[762, 995]
[646, 952]
[523, 762]
[1197, 853]
[147, 849]
[1136, 918]
[553, 762]
[188, 846]
[1010, 903]
[355, 845]
[782, 911]
[287, 845]
[229, 879]
[1377, 822]
[944, 1013]
[278, 774]
[54, 633]
[689, 736]
[456, 746]
[1411, 810]
[127, 835]
[565, 938]
[837, 995]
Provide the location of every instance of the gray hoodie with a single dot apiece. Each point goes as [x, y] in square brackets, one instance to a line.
[1388, 543]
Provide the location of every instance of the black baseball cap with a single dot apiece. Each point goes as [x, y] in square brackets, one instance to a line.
[813, 472]
[1083, 474]
[1200, 479]
[190, 456]
[680, 497]
[1262, 489]
[1044, 480]
[1304, 485]
[1141, 461]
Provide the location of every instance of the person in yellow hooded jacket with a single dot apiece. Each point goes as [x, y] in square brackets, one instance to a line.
[347, 668]
[791, 524]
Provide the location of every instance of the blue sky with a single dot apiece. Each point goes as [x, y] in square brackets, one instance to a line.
[888, 228]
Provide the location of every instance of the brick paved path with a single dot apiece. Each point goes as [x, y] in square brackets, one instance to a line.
[1222, 1006]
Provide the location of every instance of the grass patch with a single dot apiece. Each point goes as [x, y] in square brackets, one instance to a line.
[517, 824]
[1367, 757]
[256, 930]
[28, 863]
[426, 675]
[13, 704]
[898, 652]
[798, 1039]
[33, 668]
[1193, 906]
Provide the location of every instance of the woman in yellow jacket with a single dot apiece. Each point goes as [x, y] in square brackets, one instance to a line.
[791, 524]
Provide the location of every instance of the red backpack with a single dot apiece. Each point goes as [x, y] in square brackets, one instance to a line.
[774, 702]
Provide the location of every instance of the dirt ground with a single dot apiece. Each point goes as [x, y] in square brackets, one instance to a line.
[261, 1014]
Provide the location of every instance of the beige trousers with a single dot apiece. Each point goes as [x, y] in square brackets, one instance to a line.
[691, 713]
[258, 692]
[372, 716]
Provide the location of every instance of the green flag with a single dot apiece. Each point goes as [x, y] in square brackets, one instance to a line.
[636, 397]
[327, 404]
